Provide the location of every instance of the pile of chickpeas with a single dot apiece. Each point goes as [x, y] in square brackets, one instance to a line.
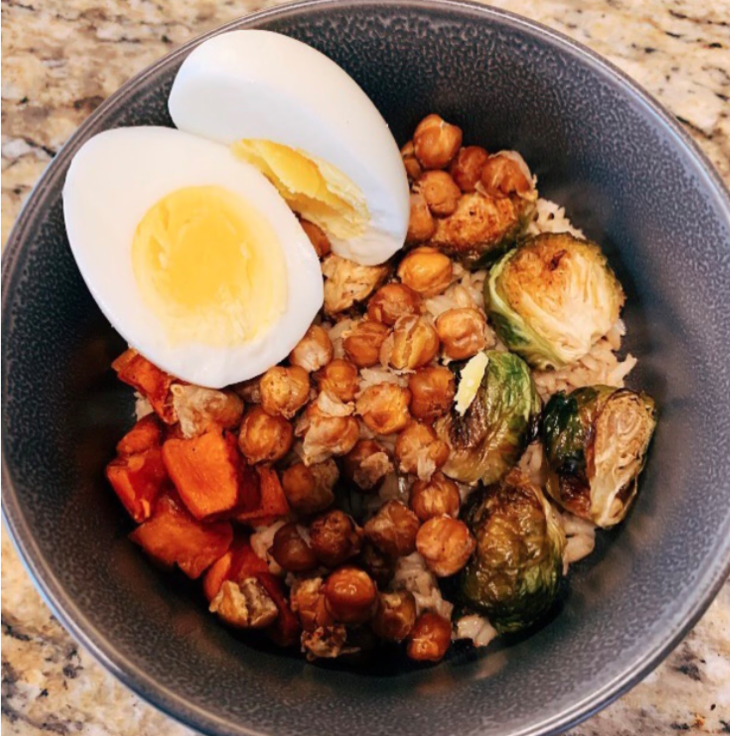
[344, 435]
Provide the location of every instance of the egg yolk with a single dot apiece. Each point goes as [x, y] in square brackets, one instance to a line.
[210, 267]
[316, 190]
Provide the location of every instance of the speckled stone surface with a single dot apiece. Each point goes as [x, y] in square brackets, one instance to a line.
[60, 59]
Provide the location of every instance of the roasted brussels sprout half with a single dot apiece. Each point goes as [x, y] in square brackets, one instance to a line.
[596, 439]
[514, 575]
[552, 298]
[489, 437]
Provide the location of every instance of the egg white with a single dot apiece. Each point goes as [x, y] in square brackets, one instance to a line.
[262, 85]
[113, 181]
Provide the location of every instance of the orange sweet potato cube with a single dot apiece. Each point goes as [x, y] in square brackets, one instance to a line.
[145, 434]
[173, 537]
[239, 563]
[149, 380]
[205, 471]
[285, 630]
[137, 480]
[272, 503]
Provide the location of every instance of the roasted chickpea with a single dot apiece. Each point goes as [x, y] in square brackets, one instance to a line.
[427, 271]
[291, 551]
[421, 225]
[384, 408]
[395, 615]
[503, 176]
[307, 601]
[339, 378]
[445, 544]
[347, 282]
[362, 345]
[462, 332]
[244, 605]
[313, 351]
[393, 529]
[263, 438]
[379, 566]
[309, 489]
[466, 168]
[440, 192]
[350, 595]
[435, 497]
[436, 142]
[366, 465]
[320, 242]
[325, 434]
[415, 343]
[335, 537]
[432, 392]
[391, 302]
[430, 638]
[408, 154]
[284, 390]
[419, 451]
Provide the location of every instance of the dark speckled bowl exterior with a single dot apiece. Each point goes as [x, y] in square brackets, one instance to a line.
[627, 175]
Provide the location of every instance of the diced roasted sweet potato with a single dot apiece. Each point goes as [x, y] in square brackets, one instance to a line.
[272, 500]
[137, 479]
[206, 472]
[149, 380]
[173, 537]
[285, 631]
[145, 434]
[239, 563]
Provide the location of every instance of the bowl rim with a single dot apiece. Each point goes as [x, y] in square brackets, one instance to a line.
[40, 572]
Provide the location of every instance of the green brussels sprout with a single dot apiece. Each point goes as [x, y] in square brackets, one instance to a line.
[552, 298]
[596, 440]
[514, 574]
[488, 439]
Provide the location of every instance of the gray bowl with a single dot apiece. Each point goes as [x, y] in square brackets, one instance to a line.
[627, 175]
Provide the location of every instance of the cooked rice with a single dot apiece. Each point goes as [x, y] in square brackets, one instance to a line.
[142, 407]
[550, 217]
[261, 542]
[412, 574]
[476, 628]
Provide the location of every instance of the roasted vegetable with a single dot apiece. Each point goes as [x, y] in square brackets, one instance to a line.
[596, 440]
[154, 384]
[515, 572]
[552, 298]
[487, 440]
[138, 480]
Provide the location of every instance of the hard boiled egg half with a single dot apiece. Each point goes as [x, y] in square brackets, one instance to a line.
[304, 122]
[190, 252]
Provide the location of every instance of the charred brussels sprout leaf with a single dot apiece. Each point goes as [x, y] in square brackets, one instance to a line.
[552, 298]
[596, 440]
[515, 572]
[489, 438]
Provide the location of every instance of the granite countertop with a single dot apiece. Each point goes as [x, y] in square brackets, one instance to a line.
[61, 58]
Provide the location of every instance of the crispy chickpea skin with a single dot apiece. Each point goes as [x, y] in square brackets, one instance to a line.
[284, 391]
[307, 602]
[335, 538]
[440, 192]
[347, 282]
[244, 605]
[366, 465]
[445, 544]
[462, 332]
[313, 351]
[432, 392]
[291, 551]
[502, 176]
[430, 638]
[421, 225]
[384, 408]
[339, 378]
[309, 489]
[436, 142]
[263, 438]
[379, 566]
[395, 615]
[466, 168]
[325, 435]
[320, 242]
[427, 271]
[437, 496]
[362, 345]
[408, 154]
[419, 451]
[393, 529]
[393, 301]
[350, 595]
[249, 391]
[415, 344]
